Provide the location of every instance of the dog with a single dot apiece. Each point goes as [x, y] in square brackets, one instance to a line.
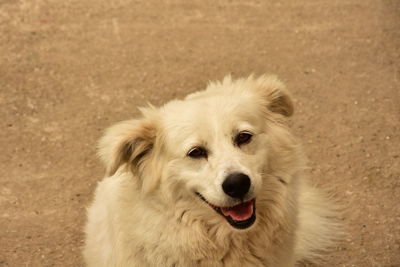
[215, 179]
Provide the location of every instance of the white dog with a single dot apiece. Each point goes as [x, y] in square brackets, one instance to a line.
[212, 180]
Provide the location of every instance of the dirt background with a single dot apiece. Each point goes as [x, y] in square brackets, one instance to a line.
[69, 69]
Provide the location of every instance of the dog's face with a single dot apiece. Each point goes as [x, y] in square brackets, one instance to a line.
[218, 149]
[212, 147]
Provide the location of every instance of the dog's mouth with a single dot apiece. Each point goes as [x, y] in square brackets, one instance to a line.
[241, 216]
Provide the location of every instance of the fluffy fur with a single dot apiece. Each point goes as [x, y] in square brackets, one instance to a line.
[146, 211]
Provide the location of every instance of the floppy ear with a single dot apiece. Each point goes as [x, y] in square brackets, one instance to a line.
[127, 142]
[274, 95]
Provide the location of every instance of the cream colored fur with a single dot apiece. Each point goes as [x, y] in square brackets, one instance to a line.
[146, 213]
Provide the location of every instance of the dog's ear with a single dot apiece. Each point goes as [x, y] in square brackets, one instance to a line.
[274, 95]
[127, 142]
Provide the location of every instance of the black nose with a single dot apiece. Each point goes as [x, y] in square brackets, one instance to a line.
[236, 185]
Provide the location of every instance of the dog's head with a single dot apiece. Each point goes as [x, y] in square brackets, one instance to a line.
[219, 146]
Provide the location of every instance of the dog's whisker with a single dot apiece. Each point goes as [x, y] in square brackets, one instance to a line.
[182, 214]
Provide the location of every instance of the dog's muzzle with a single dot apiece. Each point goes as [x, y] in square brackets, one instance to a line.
[240, 216]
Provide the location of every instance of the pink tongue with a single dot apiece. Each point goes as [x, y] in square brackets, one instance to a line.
[240, 212]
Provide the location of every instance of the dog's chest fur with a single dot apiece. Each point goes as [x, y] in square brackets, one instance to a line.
[204, 250]
[163, 239]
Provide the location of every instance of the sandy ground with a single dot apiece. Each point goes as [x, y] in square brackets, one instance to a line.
[68, 69]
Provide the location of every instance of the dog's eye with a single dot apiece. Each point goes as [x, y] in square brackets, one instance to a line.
[197, 152]
[243, 138]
